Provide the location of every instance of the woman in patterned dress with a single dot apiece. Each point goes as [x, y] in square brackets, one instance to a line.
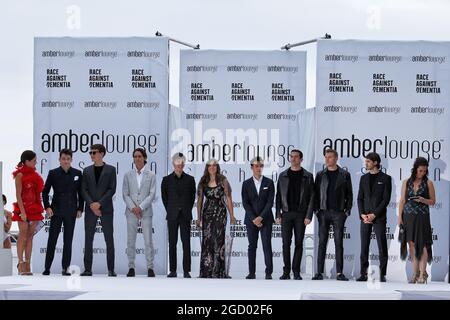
[418, 194]
[213, 200]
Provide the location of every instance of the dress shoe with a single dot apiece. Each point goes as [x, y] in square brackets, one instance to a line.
[86, 273]
[111, 273]
[297, 276]
[382, 278]
[250, 276]
[131, 272]
[362, 277]
[317, 276]
[150, 273]
[46, 272]
[268, 276]
[341, 277]
[65, 273]
[285, 276]
[187, 275]
[172, 274]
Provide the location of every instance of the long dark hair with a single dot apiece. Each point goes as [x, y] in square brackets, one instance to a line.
[419, 162]
[204, 181]
[27, 155]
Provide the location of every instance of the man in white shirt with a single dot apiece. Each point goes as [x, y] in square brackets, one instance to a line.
[138, 191]
[258, 194]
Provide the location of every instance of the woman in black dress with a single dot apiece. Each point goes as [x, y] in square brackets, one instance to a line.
[418, 195]
[213, 200]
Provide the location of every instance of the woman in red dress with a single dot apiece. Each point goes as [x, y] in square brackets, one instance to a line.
[28, 209]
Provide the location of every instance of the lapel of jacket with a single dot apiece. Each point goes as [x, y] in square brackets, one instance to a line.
[145, 174]
[102, 174]
[263, 185]
[340, 177]
[302, 189]
[253, 187]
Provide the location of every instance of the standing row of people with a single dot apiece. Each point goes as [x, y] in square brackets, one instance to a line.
[297, 198]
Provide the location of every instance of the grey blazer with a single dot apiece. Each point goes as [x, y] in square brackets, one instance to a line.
[102, 192]
[143, 196]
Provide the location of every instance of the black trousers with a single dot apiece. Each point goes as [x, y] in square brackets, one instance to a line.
[292, 222]
[56, 222]
[337, 220]
[266, 239]
[185, 231]
[90, 223]
[379, 227]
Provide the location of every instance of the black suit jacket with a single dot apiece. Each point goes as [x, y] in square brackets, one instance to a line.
[101, 192]
[66, 199]
[258, 205]
[178, 200]
[377, 200]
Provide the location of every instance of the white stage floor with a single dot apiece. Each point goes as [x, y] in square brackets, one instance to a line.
[138, 288]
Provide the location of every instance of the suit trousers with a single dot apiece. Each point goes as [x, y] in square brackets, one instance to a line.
[147, 231]
[56, 222]
[90, 223]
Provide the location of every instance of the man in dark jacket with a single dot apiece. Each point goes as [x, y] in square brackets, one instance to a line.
[373, 198]
[66, 205]
[333, 204]
[258, 194]
[98, 188]
[294, 210]
[178, 196]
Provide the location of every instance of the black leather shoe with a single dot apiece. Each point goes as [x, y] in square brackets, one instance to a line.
[172, 274]
[297, 276]
[65, 273]
[268, 276]
[86, 273]
[317, 276]
[111, 273]
[46, 272]
[341, 277]
[382, 278]
[362, 277]
[131, 272]
[187, 275]
[250, 276]
[285, 276]
[150, 273]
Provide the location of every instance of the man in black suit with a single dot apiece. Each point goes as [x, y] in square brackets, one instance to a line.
[178, 196]
[294, 209]
[66, 205]
[373, 198]
[98, 188]
[258, 194]
[333, 204]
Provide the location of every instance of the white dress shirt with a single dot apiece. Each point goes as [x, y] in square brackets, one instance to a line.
[257, 183]
[139, 175]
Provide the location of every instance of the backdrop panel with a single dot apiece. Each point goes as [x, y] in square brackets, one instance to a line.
[234, 105]
[392, 98]
[112, 91]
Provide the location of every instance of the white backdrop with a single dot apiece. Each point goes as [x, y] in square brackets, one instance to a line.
[112, 91]
[234, 102]
[392, 98]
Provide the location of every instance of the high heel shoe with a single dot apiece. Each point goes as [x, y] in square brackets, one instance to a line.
[413, 278]
[27, 270]
[423, 278]
[21, 268]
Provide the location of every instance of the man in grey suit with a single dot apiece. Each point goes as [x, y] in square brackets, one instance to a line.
[138, 192]
[98, 188]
